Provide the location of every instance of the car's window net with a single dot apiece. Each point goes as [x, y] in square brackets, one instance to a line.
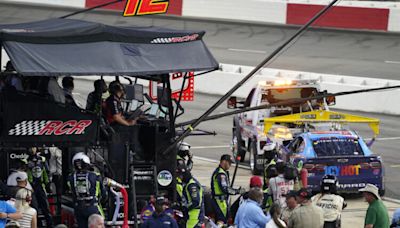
[277, 95]
[337, 147]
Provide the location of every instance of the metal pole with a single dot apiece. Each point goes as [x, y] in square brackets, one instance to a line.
[255, 70]
[89, 9]
[180, 96]
[170, 110]
[1, 54]
[237, 158]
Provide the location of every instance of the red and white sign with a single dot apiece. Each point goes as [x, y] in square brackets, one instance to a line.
[176, 80]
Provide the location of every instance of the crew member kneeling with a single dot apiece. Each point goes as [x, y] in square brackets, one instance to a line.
[87, 189]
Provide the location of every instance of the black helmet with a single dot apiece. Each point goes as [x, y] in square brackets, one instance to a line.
[181, 168]
[329, 184]
[115, 87]
[9, 67]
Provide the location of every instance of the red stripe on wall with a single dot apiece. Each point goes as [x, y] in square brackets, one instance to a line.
[116, 6]
[175, 6]
[339, 17]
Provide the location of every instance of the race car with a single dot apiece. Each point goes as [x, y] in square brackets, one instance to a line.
[342, 153]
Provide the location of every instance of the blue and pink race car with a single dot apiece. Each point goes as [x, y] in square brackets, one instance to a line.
[340, 153]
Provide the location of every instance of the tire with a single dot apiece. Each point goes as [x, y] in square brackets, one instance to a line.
[238, 143]
[382, 192]
[253, 159]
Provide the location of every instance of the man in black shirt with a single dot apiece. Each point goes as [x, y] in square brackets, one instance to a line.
[94, 99]
[68, 87]
[113, 108]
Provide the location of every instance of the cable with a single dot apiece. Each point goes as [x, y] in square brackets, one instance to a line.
[89, 9]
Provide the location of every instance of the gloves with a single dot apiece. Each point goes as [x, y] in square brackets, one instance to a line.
[240, 190]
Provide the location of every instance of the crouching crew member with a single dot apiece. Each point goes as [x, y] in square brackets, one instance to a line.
[220, 189]
[331, 203]
[87, 189]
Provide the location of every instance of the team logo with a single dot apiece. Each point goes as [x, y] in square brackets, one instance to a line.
[50, 127]
[164, 178]
[180, 39]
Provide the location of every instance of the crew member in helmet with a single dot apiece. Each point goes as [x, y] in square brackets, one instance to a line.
[38, 177]
[331, 203]
[183, 154]
[87, 189]
[193, 196]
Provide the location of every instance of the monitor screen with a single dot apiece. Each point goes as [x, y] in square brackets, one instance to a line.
[134, 92]
[138, 88]
[134, 105]
[162, 96]
[162, 114]
[153, 109]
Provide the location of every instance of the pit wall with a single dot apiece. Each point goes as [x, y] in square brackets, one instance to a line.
[353, 15]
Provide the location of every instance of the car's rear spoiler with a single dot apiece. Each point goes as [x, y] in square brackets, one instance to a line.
[322, 116]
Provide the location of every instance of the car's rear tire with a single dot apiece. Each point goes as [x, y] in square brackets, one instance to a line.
[238, 149]
[253, 159]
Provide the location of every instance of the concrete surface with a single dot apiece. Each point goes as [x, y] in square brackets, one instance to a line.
[352, 217]
[322, 51]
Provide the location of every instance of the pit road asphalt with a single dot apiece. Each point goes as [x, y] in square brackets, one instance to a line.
[325, 51]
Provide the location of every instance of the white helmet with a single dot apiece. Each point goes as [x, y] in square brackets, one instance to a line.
[183, 146]
[269, 146]
[81, 156]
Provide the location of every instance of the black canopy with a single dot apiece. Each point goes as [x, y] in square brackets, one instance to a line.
[58, 47]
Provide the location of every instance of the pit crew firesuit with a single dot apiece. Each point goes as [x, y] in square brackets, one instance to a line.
[193, 193]
[37, 176]
[220, 190]
[87, 189]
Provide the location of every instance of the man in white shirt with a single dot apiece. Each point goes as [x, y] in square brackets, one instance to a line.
[279, 186]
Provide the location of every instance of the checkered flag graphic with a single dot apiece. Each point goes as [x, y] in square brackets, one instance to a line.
[161, 41]
[28, 127]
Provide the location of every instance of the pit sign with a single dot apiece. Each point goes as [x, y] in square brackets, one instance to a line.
[145, 7]
[176, 80]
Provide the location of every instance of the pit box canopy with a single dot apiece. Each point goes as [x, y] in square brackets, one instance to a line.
[60, 47]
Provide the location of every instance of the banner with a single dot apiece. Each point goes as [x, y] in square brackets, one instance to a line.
[31, 120]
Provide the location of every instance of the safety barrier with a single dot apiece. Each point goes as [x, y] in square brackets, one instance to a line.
[219, 82]
[357, 15]
[365, 15]
[63, 3]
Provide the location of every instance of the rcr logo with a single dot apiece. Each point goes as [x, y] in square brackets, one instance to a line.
[19, 156]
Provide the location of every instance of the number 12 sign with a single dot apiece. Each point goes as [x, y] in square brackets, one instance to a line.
[144, 7]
